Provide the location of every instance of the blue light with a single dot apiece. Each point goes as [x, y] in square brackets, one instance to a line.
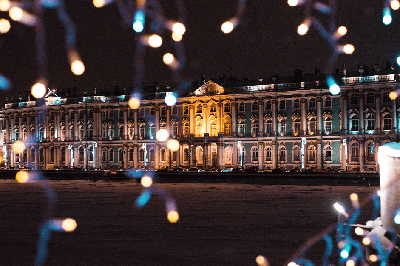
[333, 87]
[397, 218]
[398, 60]
[138, 21]
[387, 17]
[344, 254]
[143, 199]
[170, 99]
[4, 83]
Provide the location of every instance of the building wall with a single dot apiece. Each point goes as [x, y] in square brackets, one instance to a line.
[103, 132]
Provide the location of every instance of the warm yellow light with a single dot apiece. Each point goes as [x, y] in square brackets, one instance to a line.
[4, 5]
[69, 225]
[77, 67]
[18, 146]
[173, 144]
[179, 28]
[342, 30]
[373, 258]
[168, 58]
[350, 263]
[292, 264]
[146, 181]
[366, 241]
[302, 29]
[16, 13]
[176, 37]
[173, 217]
[395, 4]
[348, 48]
[134, 102]
[5, 25]
[227, 27]
[353, 197]
[162, 135]
[38, 90]
[261, 260]
[293, 2]
[359, 231]
[155, 41]
[99, 3]
[22, 177]
[393, 95]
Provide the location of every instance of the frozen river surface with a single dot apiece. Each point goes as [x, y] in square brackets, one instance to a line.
[220, 224]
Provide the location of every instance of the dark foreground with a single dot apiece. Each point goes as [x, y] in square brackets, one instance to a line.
[220, 223]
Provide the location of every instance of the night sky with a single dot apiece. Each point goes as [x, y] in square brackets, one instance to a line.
[265, 43]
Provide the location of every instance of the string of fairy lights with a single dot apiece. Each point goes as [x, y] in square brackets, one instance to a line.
[136, 13]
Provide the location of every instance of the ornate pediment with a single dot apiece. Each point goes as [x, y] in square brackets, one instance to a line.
[209, 88]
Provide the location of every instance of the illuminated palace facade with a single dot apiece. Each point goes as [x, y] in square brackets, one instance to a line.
[263, 124]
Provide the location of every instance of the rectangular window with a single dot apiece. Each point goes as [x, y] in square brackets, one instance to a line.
[282, 105]
[268, 105]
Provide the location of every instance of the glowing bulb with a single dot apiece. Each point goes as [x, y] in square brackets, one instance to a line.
[22, 177]
[292, 264]
[350, 263]
[340, 209]
[179, 28]
[134, 102]
[77, 67]
[373, 258]
[353, 196]
[146, 181]
[168, 58]
[38, 90]
[342, 30]
[173, 217]
[162, 135]
[69, 225]
[344, 254]
[227, 27]
[395, 4]
[387, 17]
[4, 5]
[366, 241]
[16, 13]
[393, 95]
[334, 89]
[397, 218]
[155, 41]
[138, 21]
[261, 260]
[99, 3]
[359, 231]
[170, 99]
[293, 2]
[176, 37]
[18, 146]
[302, 29]
[173, 144]
[348, 49]
[4, 25]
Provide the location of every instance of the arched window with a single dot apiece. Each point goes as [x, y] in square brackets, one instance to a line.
[63, 151]
[152, 156]
[199, 154]
[312, 126]
[254, 106]
[312, 155]
[186, 154]
[328, 125]
[130, 155]
[296, 154]
[268, 154]
[213, 128]
[52, 155]
[104, 156]
[328, 153]
[296, 104]
[110, 132]
[163, 156]
[268, 126]
[62, 133]
[152, 131]
[81, 155]
[24, 133]
[41, 133]
[282, 127]
[387, 122]
[141, 131]
[228, 155]
[370, 121]
[81, 132]
[185, 129]
[111, 155]
[241, 106]
[370, 151]
[241, 128]
[141, 155]
[199, 128]
[254, 154]
[282, 154]
[254, 127]
[354, 123]
[199, 109]
[213, 108]
[312, 103]
[354, 152]
[296, 126]
[120, 155]
[90, 132]
[328, 102]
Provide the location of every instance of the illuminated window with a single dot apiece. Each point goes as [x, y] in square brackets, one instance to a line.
[312, 126]
[213, 108]
[199, 155]
[131, 131]
[268, 154]
[81, 132]
[312, 154]
[141, 131]
[51, 133]
[296, 127]
[268, 126]
[227, 107]
[328, 153]
[163, 157]
[90, 153]
[370, 121]
[41, 133]
[228, 129]
[199, 109]
[282, 153]
[328, 125]
[254, 128]
[199, 128]
[62, 133]
[110, 132]
[370, 151]
[241, 129]
[213, 129]
[186, 154]
[354, 151]
[354, 122]
[186, 129]
[282, 127]
[185, 110]
[152, 131]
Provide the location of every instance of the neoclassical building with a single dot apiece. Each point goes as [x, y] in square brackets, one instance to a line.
[228, 123]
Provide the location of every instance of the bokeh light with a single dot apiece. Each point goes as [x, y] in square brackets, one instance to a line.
[22, 177]
[302, 29]
[348, 48]
[69, 225]
[227, 27]
[387, 16]
[350, 263]
[179, 28]
[170, 99]
[173, 144]
[77, 67]
[373, 258]
[4, 5]
[293, 2]
[134, 102]
[173, 217]
[393, 95]
[155, 41]
[395, 4]
[261, 260]
[38, 90]
[359, 231]
[366, 241]
[168, 58]
[18, 146]
[162, 135]
[5, 25]
[16, 13]
[342, 30]
[146, 181]
[176, 37]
